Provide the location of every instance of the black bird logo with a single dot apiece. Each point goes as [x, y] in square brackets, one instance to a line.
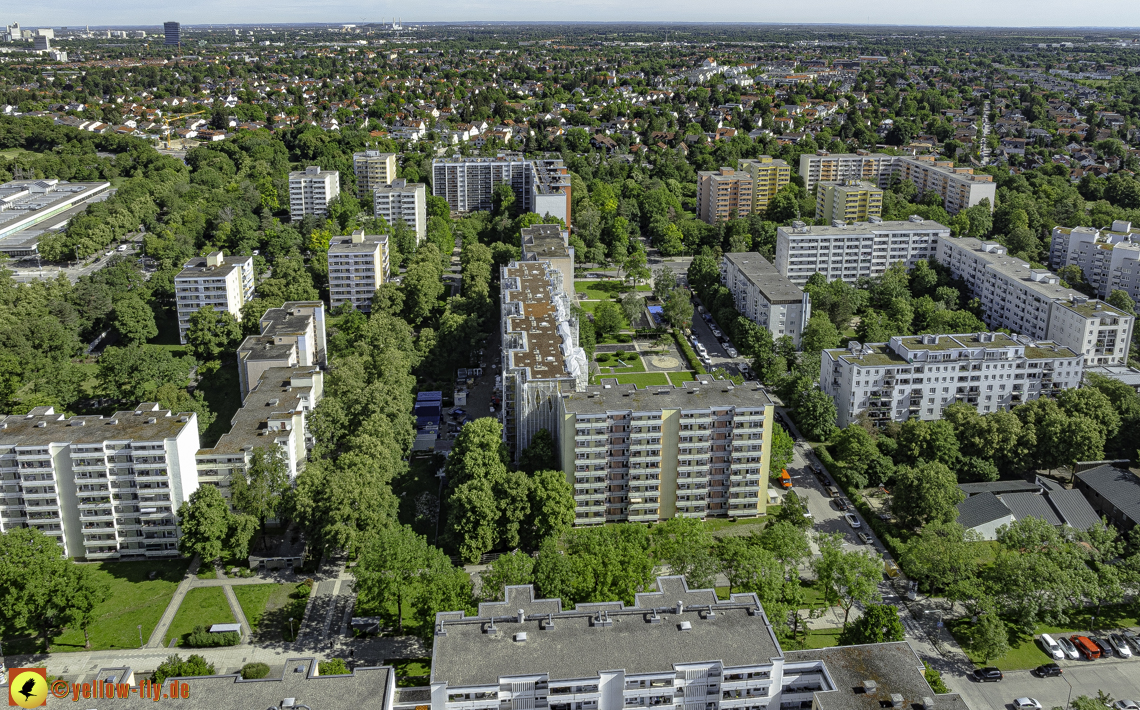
[26, 690]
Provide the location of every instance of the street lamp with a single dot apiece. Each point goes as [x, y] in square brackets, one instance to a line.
[291, 628]
[140, 636]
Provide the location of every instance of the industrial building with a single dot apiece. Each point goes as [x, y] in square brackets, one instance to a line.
[29, 208]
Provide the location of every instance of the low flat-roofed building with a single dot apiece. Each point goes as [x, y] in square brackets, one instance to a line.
[700, 449]
[24, 204]
[765, 296]
[1121, 373]
[291, 336]
[1112, 492]
[224, 282]
[541, 355]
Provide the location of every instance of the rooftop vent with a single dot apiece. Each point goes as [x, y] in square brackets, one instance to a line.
[520, 637]
[151, 420]
[927, 703]
[547, 624]
[522, 616]
[709, 614]
[685, 626]
[655, 618]
[490, 627]
[41, 424]
[680, 607]
[896, 700]
[870, 686]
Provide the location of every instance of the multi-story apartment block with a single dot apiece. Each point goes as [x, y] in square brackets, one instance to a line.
[373, 169]
[765, 296]
[540, 186]
[958, 187]
[358, 264]
[172, 33]
[697, 450]
[822, 166]
[851, 251]
[104, 487]
[400, 202]
[542, 359]
[675, 648]
[224, 282]
[723, 194]
[847, 201]
[550, 243]
[274, 413]
[769, 175]
[311, 190]
[1108, 258]
[1033, 302]
[917, 377]
[291, 336]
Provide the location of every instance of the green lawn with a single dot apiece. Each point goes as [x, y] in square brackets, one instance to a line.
[1024, 652]
[822, 638]
[677, 378]
[714, 525]
[641, 379]
[608, 366]
[133, 599]
[202, 606]
[411, 672]
[12, 152]
[268, 607]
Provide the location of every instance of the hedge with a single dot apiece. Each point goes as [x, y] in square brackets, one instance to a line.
[689, 354]
[201, 637]
[254, 671]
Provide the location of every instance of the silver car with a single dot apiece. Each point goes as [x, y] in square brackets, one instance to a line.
[1068, 648]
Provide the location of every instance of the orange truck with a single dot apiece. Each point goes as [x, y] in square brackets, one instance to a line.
[785, 479]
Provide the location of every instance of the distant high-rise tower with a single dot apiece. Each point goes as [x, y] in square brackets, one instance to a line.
[173, 32]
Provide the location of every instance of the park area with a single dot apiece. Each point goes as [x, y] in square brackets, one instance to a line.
[268, 608]
[204, 606]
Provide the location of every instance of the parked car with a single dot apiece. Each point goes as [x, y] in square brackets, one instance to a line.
[1067, 646]
[989, 674]
[1125, 705]
[842, 505]
[1120, 645]
[885, 517]
[833, 491]
[816, 469]
[715, 331]
[1051, 647]
[865, 539]
[1049, 670]
[1104, 646]
[912, 590]
[1026, 704]
[731, 352]
[852, 520]
[1133, 641]
[1085, 645]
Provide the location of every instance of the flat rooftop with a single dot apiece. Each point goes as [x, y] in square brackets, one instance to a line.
[702, 393]
[865, 229]
[26, 204]
[537, 316]
[466, 654]
[273, 397]
[346, 245]
[198, 267]
[544, 241]
[1015, 269]
[775, 287]
[44, 426]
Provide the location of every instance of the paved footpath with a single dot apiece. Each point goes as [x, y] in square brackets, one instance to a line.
[184, 586]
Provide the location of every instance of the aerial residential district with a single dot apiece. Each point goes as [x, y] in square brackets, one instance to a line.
[465, 366]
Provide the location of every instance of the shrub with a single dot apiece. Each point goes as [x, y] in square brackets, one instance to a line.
[619, 355]
[201, 637]
[175, 667]
[333, 666]
[253, 671]
[602, 357]
[934, 678]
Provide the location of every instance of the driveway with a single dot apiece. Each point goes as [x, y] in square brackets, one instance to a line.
[1118, 677]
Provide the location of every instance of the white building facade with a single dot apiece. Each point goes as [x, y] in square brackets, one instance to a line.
[224, 282]
[765, 296]
[311, 190]
[399, 201]
[1108, 258]
[852, 251]
[358, 264]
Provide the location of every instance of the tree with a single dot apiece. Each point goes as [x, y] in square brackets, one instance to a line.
[783, 446]
[134, 319]
[390, 568]
[924, 494]
[1121, 300]
[597, 563]
[137, 371]
[879, 624]
[703, 272]
[846, 578]
[819, 334]
[921, 440]
[988, 638]
[678, 308]
[205, 522]
[84, 590]
[510, 569]
[793, 511]
[685, 547]
[32, 569]
[478, 452]
[664, 281]
[539, 454]
[175, 667]
[551, 507]
[333, 666]
[257, 490]
[941, 555]
[212, 334]
[632, 306]
[472, 519]
[815, 414]
[607, 318]
[422, 283]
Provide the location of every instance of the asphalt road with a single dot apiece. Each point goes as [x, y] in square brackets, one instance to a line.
[1120, 677]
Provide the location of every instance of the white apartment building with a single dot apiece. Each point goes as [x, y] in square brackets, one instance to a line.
[311, 190]
[849, 252]
[103, 487]
[358, 264]
[958, 187]
[224, 282]
[700, 449]
[1033, 302]
[1109, 258]
[398, 201]
[291, 336]
[917, 377]
[765, 296]
[373, 169]
[541, 356]
[540, 186]
[674, 648]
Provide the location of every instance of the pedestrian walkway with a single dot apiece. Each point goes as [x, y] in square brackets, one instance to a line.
[184, 586]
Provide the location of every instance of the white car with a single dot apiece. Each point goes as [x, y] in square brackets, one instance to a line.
[1026, 704]
[1125, 705]
[1051, 647]
[731, 352]
[852, 520]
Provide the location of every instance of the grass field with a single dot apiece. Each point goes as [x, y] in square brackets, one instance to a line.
[677, 378]
[822, 638]
[267, 608]
[12, 152]
[1024, 652]
[411, 672]
[641, 379]
[132, 600]
[202, 606]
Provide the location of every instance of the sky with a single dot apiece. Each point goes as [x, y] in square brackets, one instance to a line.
[976, 13]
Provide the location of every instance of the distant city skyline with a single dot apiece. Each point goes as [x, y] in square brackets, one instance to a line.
[1108, 14]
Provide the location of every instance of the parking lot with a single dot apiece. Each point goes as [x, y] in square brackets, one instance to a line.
[1120, 677]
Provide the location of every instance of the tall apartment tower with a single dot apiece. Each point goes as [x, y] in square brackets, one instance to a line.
[224, 282]
[821, 166]
[918, 376]
[373, 169]
[850, 251]
[358, 264]
[172, 33]
[311, 190]
[848, 201]
[1109, 258]
[542, 359]
[103, 487]
[398, 201]
[42, 43]
[698, 450]
[765, 296]
[723, 194]
[769, 176]
[468, 184]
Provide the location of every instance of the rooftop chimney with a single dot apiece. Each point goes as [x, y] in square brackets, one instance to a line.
[214, 259]
[358, 236]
